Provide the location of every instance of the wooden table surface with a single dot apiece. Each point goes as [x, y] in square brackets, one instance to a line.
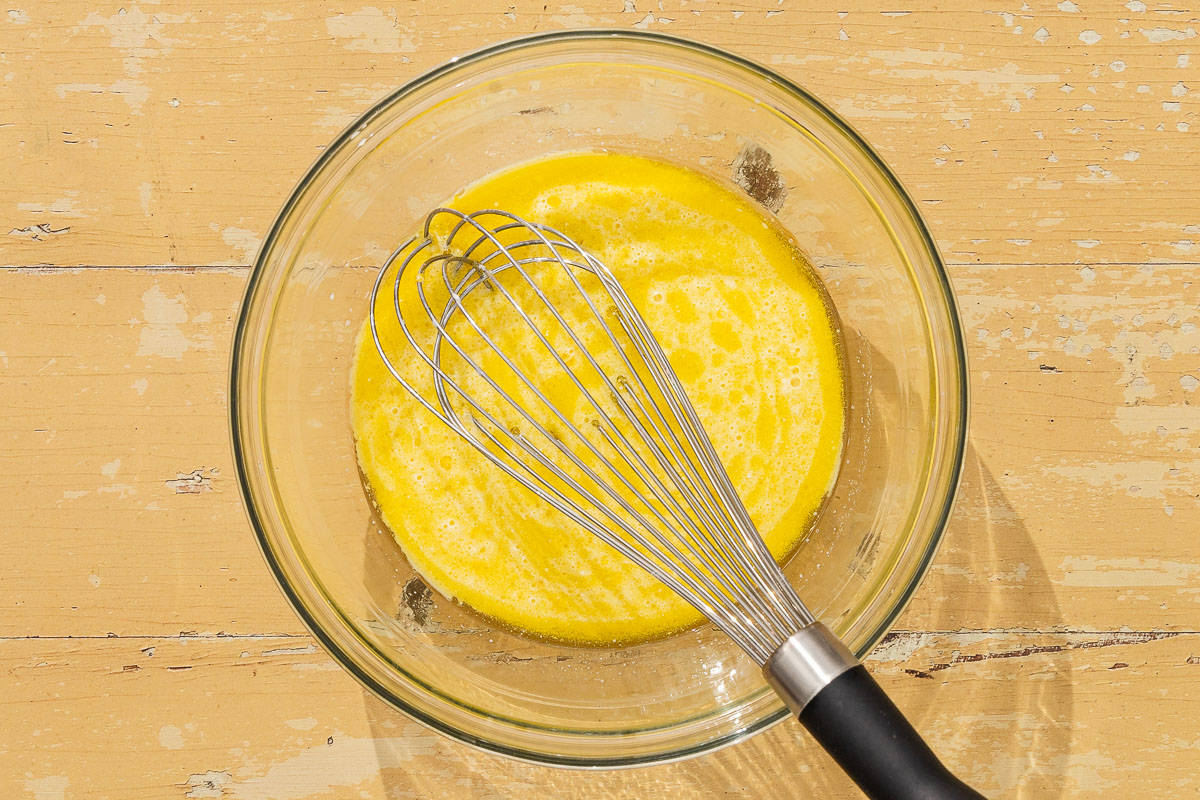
[1053, 650]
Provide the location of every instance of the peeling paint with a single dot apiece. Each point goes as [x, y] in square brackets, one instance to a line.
[170, 737]
[40, 232]
[1114, 572]
[161, 334]
[1160, 35]
[372, 30]
[198, 481]
[247, 242]
[302, 724]
[134, 93]
[212, 783]
[53, 787]
[344, 764]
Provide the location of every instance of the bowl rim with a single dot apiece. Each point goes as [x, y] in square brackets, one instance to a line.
[955, 443]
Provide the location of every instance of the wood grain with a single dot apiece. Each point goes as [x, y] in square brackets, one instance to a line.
[171, 133]
[271, 718]
[1051, 652]
[133, 456]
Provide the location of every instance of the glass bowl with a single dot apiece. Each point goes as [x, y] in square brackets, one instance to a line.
[641, 93]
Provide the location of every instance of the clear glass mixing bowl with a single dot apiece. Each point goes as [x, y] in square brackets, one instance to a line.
[639, 93]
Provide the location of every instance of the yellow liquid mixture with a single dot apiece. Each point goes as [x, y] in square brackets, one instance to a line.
[745, 325]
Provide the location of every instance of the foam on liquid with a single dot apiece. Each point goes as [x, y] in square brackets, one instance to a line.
[745, 325]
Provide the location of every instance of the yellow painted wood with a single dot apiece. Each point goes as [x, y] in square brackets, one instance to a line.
[271, 718]
[170, 133]
[1052, 650]
[1077, 499]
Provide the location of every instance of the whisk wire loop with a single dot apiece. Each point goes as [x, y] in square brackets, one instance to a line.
[714, 560]
[639, 471]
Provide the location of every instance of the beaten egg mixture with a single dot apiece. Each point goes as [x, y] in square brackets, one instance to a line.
[747, 328]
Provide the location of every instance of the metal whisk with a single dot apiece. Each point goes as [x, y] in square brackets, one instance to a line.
[587, 412]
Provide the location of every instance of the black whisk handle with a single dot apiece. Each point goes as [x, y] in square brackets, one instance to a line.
[844, 709]
[871, 740]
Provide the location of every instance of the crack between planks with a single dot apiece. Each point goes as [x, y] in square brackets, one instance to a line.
[1100, 639]
[1091, 640]
[1121, 636]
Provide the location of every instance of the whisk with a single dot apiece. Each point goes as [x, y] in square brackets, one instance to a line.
[589, 415]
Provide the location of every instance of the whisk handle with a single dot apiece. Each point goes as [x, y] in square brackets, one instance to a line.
[844, 709]
[871, 740]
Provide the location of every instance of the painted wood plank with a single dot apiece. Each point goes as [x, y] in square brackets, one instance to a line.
[1020, 715]
[1076, 511]
[170, 133]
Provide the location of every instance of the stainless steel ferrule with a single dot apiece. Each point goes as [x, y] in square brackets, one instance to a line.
[806, 663]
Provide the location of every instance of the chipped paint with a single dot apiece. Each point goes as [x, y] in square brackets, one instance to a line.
[209, 784]
[51, 787]
[170, 737]
[40, 232]
[371, 30]
[135, 93]
[198, 481]
[1007, 78]
[344, 764]
[302, 724]
[244, 241]
[160, 333]
[1160, 35]
[899, 648]
[1114, 572]
[128, 54]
